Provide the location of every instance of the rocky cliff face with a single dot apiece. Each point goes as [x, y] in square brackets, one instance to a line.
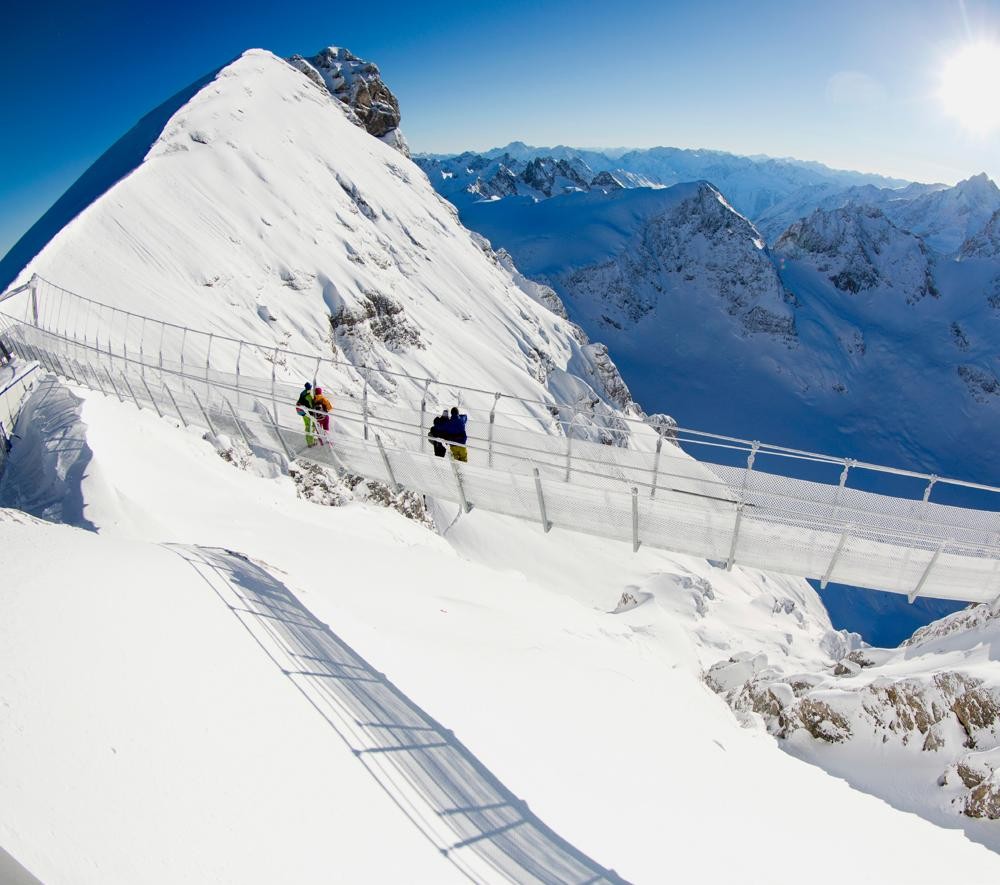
[937, 696]
[859, 250]
[984, 244]
[469, 177]
[359, 85]
[700, 244]
[946, 218]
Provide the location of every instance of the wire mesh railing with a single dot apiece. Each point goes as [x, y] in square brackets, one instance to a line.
[539, 460]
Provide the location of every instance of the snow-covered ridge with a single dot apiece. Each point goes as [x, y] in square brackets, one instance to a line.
[859, 249]
[645, 257]
[261, 211]
[751, 184]
[576, 651]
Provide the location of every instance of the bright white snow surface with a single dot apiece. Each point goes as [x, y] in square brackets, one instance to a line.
[146, 735]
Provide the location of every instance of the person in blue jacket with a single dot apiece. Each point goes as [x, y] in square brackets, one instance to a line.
[454, 432]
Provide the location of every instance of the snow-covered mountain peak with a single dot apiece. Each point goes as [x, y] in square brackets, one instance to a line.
[946, 218]
[261, 211]
[357, 83]
[859, 249]
[985, 244]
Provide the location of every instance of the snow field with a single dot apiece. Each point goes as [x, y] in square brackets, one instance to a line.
[600, 721]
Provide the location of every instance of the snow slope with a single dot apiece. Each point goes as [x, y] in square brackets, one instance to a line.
[261, 211]
[599, 720]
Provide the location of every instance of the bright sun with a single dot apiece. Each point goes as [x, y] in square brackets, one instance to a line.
[970, 87]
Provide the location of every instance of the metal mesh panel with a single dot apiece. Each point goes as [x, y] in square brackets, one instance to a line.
[759, 518]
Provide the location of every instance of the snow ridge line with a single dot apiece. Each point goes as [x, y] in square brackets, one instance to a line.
[456, 802]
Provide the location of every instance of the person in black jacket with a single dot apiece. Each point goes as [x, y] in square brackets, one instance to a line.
[436, 433]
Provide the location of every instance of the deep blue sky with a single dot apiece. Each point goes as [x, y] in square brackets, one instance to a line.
[849, 83]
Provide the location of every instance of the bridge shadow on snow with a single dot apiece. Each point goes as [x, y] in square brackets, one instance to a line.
[455, 801]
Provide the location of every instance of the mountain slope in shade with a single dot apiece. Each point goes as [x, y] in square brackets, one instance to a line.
[985, 243]
[868, 345]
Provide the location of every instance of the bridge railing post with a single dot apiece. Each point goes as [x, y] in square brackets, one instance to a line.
[114, 386]
[546, 525]
[177, 408]
[423, 413]
[33, 285]
[364, 405]
[239, 425]
[569, 444]
[208, 421]
[128, 387]
[274, 387]
[740, 505]
[844, 535]
[913, 594]
[152, 399]
[493, 418]
[466, 506]
[277, 433]
[656, 463]
[388, 466]
[635, 520]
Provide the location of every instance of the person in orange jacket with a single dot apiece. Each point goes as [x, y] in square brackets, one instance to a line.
[321, 409]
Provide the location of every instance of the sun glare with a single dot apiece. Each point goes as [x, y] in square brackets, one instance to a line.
[970, 87]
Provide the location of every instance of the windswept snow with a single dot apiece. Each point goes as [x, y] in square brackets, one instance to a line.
[600, 721]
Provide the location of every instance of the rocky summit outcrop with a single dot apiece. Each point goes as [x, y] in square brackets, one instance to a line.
[359, 85]
[606, 181]
[860, 250]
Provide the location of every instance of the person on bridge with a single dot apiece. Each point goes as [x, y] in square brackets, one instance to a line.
[321, 410]
[304, 408]
[454, 431]
[436, 434]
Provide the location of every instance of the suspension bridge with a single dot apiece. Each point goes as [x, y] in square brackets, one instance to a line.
[558, 465]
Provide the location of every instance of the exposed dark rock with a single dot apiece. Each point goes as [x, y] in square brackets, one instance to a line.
[359, 85]
[378, 317]
[982, 384]
[606, 182]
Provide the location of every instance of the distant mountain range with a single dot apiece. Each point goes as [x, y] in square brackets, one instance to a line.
[770, 299]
